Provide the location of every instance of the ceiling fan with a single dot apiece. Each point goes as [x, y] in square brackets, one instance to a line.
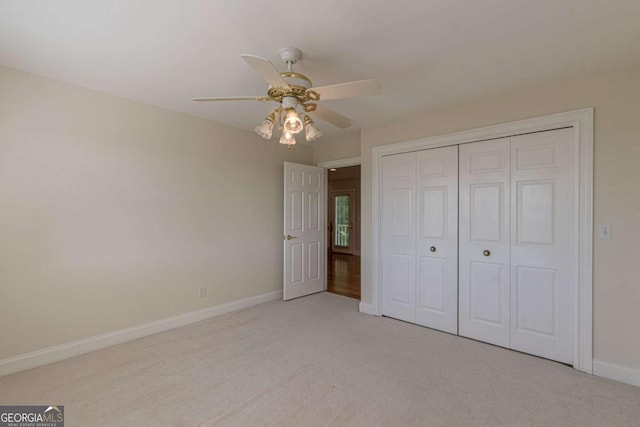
[296, 96]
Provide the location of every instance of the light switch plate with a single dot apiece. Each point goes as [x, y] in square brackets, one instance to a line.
[604, 231]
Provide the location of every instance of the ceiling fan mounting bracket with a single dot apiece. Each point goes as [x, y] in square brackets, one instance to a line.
[290, 54]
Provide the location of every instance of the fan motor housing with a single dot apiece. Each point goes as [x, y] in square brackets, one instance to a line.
[299, 85]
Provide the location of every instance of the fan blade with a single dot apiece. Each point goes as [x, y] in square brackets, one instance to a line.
[332, 117]
[348, 90]
[266, 70]
[235, 98]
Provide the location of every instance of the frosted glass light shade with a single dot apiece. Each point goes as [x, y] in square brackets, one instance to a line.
[311, 130]
[287, 139]
[265, 128]
[292, 122]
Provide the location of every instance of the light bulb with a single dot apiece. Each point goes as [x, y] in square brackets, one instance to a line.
[287, 139]
[265, 128]
[311, 130]
[292, 122]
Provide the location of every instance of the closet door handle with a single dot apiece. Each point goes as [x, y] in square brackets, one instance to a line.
[432, 248]
[486, 252]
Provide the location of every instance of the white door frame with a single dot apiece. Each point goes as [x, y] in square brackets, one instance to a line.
[339, 163]
[582, 123]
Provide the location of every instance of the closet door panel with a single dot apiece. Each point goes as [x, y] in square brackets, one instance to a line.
[398, 236]
[543, 276]
[486, 288]
[437, 239]
[432, 287]
[484, 301]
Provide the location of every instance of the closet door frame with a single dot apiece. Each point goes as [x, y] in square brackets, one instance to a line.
[582, 123]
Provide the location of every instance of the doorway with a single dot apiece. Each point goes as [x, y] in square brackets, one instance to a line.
[343, 227]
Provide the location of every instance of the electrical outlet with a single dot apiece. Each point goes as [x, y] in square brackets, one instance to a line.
[604, 231]
[202, 292]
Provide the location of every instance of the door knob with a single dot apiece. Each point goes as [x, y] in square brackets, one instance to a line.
[289, 237]
[486, 252]
[432, 248]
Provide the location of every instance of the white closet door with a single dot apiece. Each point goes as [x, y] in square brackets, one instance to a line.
[437, 239]
[543, 276]
[398, 236]
[484, 241]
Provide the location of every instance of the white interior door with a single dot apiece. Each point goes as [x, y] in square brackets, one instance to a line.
[543, 273]
[437, 239]
[398, 236]
[484, 241]
[304, 230]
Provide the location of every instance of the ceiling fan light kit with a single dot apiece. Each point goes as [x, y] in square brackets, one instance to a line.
[292, 90]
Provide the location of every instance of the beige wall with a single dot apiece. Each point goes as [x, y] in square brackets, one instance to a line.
[616, 98]
[339, 146]
[114, 212]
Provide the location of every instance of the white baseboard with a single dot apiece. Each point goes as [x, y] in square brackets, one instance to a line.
[616, 372]
[64, 351]
[368, 309]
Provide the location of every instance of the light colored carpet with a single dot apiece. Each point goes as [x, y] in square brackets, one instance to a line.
[316, 361]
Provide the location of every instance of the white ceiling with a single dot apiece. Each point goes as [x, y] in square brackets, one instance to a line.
[427, 54]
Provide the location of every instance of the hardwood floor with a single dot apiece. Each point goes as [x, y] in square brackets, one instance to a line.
[343, 275]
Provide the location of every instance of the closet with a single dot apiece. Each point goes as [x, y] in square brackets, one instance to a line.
[478, 240]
